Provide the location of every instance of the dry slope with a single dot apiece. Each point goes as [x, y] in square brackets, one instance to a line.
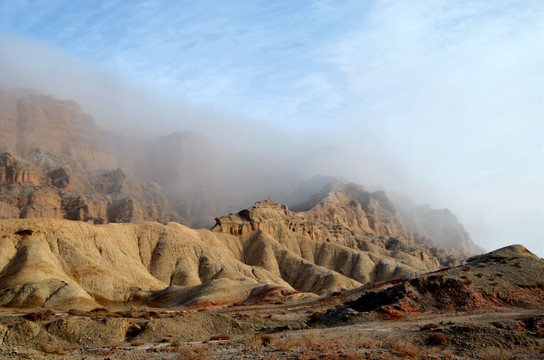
[263, 250]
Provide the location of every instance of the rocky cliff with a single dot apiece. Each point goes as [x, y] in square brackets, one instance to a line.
[374, 214]
[59, 126]
[56, 163]
[365, 257]
[71, 192]
[350, 205]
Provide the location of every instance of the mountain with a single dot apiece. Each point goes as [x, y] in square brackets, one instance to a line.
[438, 226]
[64, 166]
[350, 205]
[62, 263]
[99, 229]
[60, 174]
[373, 214]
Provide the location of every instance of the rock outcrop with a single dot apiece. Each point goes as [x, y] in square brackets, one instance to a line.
[374, 214]
[46, 190]
[14, 172]
[60, 165]
[358, 255]
[473, 286]
[350, 205]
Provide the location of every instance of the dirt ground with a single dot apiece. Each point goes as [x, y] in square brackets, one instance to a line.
[276, 331]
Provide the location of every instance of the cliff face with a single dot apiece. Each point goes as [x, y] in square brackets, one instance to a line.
[102, 196]
[374, 214]
[362, 256]
[58, 126]
[15, 172]
[60, 165]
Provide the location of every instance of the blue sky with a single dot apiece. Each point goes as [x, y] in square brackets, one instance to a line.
[440, 99]
[262, 58]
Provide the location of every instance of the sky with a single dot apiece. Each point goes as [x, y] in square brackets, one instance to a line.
[440, 100]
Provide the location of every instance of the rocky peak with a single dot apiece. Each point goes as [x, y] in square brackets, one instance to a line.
[269, 203]
[266, 215]
[351, 205]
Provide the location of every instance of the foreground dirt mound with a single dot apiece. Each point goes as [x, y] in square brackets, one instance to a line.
[511, 277]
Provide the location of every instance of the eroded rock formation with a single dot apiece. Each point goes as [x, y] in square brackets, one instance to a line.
[71, 192]
[61, 167]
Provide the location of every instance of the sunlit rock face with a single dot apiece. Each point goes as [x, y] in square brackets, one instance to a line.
[351, 205]
[58, 164]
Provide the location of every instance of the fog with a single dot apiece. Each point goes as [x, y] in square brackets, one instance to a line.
[232, 158]
[437, 102]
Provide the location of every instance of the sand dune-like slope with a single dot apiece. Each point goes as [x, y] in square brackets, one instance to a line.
[260, 251]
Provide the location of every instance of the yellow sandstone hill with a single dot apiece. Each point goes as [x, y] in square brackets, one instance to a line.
[59, 176]
[246, 257]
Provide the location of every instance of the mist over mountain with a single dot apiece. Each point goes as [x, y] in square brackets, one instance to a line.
[271, 179]
[57, 163]
[434, 100]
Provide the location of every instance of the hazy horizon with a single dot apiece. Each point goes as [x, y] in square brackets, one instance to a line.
[439, 101]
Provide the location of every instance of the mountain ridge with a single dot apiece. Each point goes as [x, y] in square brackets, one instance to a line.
[340, 237]
[77, 181]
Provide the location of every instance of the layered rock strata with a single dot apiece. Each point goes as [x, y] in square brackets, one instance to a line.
[71, 192]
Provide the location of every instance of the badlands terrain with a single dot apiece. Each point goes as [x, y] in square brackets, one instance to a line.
[109, 249]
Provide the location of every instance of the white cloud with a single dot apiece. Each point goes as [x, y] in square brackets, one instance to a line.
[457, 90]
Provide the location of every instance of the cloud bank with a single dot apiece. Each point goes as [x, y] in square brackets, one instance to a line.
[439, 100]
